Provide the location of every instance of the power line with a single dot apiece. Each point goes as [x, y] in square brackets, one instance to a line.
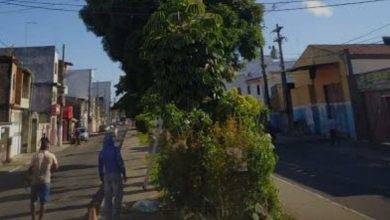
[78, 10]
[286, 2]
[368, 33]
[324, 6]
[15, 11]
[50, 3]
[369, 39]
[39, 7]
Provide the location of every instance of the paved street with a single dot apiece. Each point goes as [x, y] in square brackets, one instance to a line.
[354, 174]
[73, 185]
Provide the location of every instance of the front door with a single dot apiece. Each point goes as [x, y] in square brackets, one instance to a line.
[34, 134]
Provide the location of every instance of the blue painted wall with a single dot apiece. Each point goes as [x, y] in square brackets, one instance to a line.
[316, 118]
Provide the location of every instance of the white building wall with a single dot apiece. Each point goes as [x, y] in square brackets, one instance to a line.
[79, 83]
[16, 132]
[251, 75]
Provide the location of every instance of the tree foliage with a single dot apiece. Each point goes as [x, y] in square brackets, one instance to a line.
[216, 161]
[217, 169]
[120, 24]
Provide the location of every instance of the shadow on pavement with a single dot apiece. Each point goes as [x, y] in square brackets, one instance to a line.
[9, 181]
[75, 167]
[48, 211]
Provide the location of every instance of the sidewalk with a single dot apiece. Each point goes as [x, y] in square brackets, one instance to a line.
[303, 204]
[134, 157]
[21, 160]
[296, 201]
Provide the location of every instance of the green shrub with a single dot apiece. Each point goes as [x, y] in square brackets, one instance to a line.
[145, 122]
[217, 169]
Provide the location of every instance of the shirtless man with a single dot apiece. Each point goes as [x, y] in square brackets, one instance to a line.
[42, 163]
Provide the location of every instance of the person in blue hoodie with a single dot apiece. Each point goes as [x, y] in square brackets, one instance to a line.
[112, 173]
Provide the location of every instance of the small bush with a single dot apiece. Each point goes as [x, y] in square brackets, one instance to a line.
[217, 169]
[145, 122]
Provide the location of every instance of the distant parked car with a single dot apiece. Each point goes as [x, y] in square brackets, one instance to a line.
[84, 135]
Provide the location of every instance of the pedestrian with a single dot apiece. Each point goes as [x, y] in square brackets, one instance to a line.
[42, 163]
[332, 131]
[77, 136]
[44, 138]
[112, 172]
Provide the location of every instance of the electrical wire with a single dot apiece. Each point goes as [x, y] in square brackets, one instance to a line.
[368, 33]
[19, 3]
[324, 6]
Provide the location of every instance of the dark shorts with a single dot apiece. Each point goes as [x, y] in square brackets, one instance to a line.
[40, 191]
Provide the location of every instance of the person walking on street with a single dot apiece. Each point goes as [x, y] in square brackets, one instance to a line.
[42, 163]
[112, 172]
[77, 136]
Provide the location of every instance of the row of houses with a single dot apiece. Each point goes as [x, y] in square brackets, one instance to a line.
[40, 95]
[347, 85]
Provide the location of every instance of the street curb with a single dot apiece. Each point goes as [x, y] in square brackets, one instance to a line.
[320, 197]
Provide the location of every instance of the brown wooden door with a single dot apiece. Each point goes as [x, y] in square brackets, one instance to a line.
[378, 113]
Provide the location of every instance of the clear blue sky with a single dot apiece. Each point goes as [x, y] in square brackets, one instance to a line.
[84, 50]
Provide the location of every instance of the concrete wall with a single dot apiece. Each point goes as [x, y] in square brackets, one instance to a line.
[43, 63]
[40, 60]
[79, 83]
[16, 132]
[103, 89]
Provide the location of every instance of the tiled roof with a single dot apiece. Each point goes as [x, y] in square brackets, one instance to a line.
[356, 48]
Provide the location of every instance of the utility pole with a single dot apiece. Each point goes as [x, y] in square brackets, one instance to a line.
[265, 80]
[286, 92]
[89, 120]
[62, 97]
[98, 99]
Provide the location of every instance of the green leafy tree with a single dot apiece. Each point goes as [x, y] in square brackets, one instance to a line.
[184, 44]
[120, 24]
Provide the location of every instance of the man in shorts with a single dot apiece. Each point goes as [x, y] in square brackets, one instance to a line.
[42, 163]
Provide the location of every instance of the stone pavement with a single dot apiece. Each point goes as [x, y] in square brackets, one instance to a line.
[297, 201]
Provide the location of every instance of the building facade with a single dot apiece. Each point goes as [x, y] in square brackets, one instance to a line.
[43, 62]
[327, 80]
[102, 91]
[15, 114]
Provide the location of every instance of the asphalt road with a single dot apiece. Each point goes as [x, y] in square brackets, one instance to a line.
[72, 189]
[352, 174]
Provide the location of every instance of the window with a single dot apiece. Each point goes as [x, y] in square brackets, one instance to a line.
[249, 89]
[55, 68]
[258, 90]
[239, 90]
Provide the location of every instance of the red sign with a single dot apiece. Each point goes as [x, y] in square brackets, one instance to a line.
[55, 109]
[68, 112]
